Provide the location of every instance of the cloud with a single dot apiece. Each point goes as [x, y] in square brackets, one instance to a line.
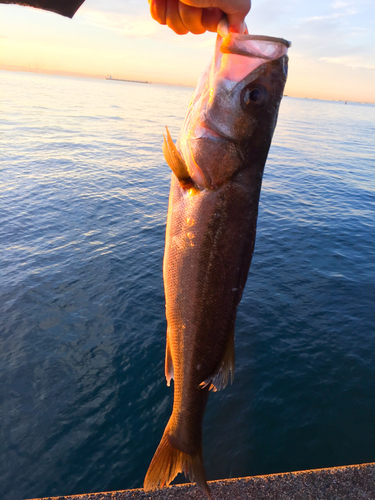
[340, 4]
[350, 62]
[142, 26]
[339, 32]
[125, 24]
[129, 18]
[271, 13]
[359, 30]
[125, 7]
[329, 17]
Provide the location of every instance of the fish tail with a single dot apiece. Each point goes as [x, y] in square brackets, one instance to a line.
[168, 461]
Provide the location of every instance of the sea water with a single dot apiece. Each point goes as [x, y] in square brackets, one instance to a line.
[83, 203]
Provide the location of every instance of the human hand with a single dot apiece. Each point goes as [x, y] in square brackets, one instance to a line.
[198, 16]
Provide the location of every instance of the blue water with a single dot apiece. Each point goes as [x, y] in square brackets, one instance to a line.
[84, 192]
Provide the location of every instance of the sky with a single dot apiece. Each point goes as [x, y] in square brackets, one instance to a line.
[332, 54]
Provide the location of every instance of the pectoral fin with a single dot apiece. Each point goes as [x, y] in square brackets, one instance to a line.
[220, 378]
[175, 161]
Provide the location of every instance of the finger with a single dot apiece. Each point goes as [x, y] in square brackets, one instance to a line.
[236, 10]
[158, 10]
[192, 18]
[228, 6]
[237, 23]
[173, 18]
[211, 18]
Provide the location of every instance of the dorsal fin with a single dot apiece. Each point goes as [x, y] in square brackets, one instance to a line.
[175, 161]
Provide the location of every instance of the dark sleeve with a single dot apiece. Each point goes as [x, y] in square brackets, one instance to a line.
[64, 7]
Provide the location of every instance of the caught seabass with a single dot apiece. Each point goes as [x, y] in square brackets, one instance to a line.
[213, 206]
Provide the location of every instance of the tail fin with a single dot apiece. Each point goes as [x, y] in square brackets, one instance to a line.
[168, 461]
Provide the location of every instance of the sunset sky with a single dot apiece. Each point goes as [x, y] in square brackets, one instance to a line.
[332, 54]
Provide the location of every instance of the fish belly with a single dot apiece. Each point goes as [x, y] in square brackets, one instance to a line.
[209, 244]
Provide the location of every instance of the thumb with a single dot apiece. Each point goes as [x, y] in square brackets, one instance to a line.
[237, 23]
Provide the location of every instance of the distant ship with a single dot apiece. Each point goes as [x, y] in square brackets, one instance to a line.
[124, 80]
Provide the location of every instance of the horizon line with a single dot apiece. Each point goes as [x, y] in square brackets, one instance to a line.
[73, 74]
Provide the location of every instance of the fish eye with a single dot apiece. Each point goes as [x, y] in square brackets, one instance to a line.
[253, 96]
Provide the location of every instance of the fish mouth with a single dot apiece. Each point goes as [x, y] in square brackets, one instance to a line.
[224, 32]
[258, 46]
[203, 131]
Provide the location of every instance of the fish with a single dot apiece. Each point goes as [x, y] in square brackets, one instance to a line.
[217, 167]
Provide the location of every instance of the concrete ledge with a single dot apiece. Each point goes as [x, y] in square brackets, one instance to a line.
[353, 482]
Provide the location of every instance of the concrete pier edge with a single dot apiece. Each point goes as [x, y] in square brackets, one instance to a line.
[352, 482]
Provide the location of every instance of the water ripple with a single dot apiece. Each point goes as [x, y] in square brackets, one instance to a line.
[84, 186]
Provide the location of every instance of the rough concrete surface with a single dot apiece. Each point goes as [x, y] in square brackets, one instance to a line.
[353, 482]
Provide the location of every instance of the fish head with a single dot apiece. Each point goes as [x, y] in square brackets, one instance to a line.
[233, 112]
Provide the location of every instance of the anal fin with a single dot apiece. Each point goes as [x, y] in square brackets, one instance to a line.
[225, 371]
